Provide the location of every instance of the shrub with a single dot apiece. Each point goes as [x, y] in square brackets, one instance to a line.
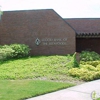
[88, 67]
[88, 76]
[20, 50]
[82, 74]
[13, 51]
[6, 53]
[93, 63]
[74, 72]
[98, 67]
[89, 56]
[86, 72]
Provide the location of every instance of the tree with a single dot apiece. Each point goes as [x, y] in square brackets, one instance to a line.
[1, 13]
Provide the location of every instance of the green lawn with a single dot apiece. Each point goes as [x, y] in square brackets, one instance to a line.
[21, 89]
[29, 77]
[22, 78]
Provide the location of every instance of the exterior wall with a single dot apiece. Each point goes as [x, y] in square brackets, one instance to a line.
[91, 44]
[44, 31]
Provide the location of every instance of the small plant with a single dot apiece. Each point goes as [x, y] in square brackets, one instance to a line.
[89, 56]
[75, 63]
[85, 72]
[20, 50]
[95, 95]
[93, 63]
[13, 51]
[72, 61]
[6, 53]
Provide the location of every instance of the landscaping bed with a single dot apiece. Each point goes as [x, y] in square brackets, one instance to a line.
[21, 74]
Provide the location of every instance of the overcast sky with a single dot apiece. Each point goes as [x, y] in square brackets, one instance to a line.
[65, 8]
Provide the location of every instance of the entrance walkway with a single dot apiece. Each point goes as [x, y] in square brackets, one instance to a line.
[80, 92]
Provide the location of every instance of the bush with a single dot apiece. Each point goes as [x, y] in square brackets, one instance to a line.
[20, 50]
[98, 67]
[82, 74]
[89, 56]
[13, 51]
[93, 63]
[6, 52]
[86, 72]
[88, 67]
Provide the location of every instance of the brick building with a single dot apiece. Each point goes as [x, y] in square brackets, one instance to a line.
[87, 33]
[44, 31]
[47, 33]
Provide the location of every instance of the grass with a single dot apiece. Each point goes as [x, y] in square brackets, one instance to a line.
[49, 67]
[21, 89]
[23, 78]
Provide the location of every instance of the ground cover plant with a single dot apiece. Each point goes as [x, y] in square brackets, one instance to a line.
[49, 67]
[15, 73]
[65, 69]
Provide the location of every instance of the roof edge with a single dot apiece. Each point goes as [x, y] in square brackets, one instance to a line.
[81, 18]
[65, 21]
[26, 10]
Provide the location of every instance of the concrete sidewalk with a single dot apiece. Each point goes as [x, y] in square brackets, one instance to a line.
[80, 92]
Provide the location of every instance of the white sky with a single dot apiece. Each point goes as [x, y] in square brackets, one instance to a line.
[65, 8]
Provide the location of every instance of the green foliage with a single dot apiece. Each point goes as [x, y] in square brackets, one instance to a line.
[49, 67]
[22, 89]
[69, 61]
[72, 62]
[13, 51]
[86, 72]
[6, 52]
[43, 67]
[98, 99]
[89, 56]
[88, 67]
[75, 63]
[1, 12]
[98, 67]
[20, 50]
[93, 63]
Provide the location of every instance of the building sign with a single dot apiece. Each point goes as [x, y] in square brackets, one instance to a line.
[37, 41]
[51, 41]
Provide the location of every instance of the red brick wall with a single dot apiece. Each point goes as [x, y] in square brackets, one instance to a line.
[91, 44]
[26, 26]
